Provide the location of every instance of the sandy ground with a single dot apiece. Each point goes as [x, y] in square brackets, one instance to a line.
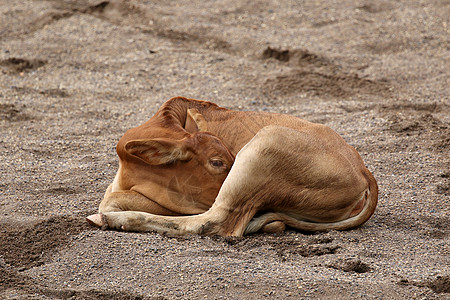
[75, 75]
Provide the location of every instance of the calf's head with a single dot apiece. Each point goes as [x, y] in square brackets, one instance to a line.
[180, 172]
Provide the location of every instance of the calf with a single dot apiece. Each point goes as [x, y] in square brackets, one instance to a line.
[195, 167]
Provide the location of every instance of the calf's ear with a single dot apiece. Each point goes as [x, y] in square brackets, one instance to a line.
[158, 151]
[195, 121]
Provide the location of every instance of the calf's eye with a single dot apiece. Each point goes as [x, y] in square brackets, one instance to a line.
[216, 163]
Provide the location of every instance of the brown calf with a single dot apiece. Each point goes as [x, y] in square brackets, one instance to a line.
[195, 167]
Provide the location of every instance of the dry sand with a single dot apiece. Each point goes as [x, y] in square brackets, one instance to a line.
[74, 75]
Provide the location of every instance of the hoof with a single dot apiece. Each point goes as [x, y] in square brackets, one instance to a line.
[97, 220]
[274, 227]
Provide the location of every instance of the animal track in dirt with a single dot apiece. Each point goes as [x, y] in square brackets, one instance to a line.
[286, 252]
[408, 123]
[413, 119]
[319, 83]
[281, 55]
[46, 92]
[11, 112]
[439, 224]
[350, 265]
[315, 74]
[117, 12]
[434, 227]
[97, 8]
[402, 106]
[443, 145]
[286, 247]
[444, 187]
[297, 57]
[424, 124]
[391, 46]
[200, 38]
[27, 247]
[54, 93]
[440, 284]
[125, 13]
[14, 65]
[63, 191]
[376, 7]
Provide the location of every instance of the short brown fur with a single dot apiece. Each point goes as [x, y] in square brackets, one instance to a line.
[176, 177]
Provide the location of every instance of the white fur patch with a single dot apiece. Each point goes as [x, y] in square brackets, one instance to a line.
[116, 184]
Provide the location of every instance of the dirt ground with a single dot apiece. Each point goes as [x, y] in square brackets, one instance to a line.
[75, 75]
